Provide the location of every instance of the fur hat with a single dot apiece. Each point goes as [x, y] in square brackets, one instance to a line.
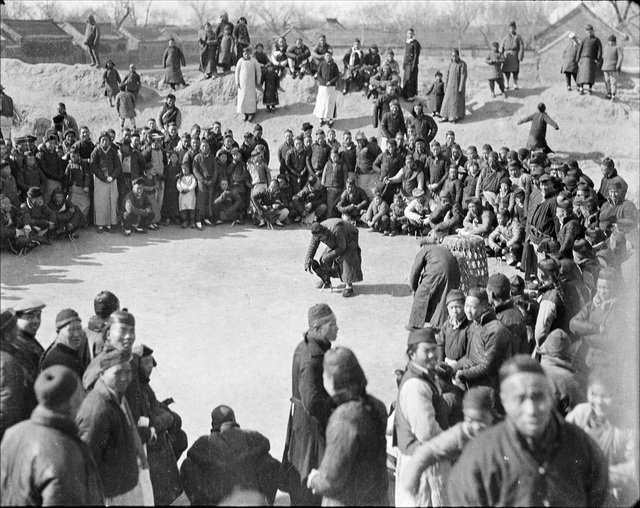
[55, 385]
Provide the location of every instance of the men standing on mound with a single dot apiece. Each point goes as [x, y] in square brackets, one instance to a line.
[342, 258]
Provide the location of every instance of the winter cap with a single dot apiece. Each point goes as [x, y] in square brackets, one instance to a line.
[122, 316]
[427, 335]
[517, 284]
[318, 313]
[28, 305]
[7, 319]
[360, 135]
[306, 126]
[105, 303]
[395, 102]
[499, 284]
[113, 357]
[589, 27]
[570, 182]
[455, 295]
[582, 246]
[64, 317]
[351, 180]
[69, 131]
[612, 38]
[478, 398]
[55, 385]
[523, 153]
[34, 192]
[445, 194]
[220, 415]
[557, 345]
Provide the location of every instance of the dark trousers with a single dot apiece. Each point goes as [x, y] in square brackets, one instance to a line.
[124, 186]
[333, 197]
[300, 494]
[410, 87]
[93, 54]
[492, 83]
[188, 216]
[508, 75]
[130, 220]
[567, 77]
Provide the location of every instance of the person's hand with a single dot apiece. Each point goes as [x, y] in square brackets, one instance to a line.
[312, 475]
[109, 179]
[307, 266]
[143, 421]
[20, 232]
[154, 435]
[450, 362]
[51, 224]
[86, 189]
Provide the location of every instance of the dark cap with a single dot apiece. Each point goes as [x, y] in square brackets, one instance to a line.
[517, 283]
[306, 126]
[105, 303]
[589, 27]
[55, 385]
[220, 415]
[455, 295]
[612, 38]
[64, 317]
[499, 283]
[478, 398]
[318, 312]
[113, 357]
[122, 316]
[427, 335]
[34, 192]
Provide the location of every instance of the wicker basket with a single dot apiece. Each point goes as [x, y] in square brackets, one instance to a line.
[469, 251]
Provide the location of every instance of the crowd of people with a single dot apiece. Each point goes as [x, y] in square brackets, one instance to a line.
[507, 396]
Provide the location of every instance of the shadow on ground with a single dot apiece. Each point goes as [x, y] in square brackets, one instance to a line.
[384, 289]
[491, 110]
[579, 156]
[526, 92]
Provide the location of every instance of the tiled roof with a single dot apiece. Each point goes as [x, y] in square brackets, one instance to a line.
[107, 30]
[36, 29]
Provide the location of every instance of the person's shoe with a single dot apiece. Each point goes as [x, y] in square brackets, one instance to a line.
[504, 95]
[297, 219]
[199, 226]
[493, 95]
[127, 232]
[516, 87]
[100, 230]
[207, 222]
[278, 223]
[581, 91]
[385, 233]
[262, 224]
[140, 230]
[218, 222]
[153, 227]
[393, 233]
[590, 91]
[183, 225]
[323, 284]
[568, 88]
[108, 229]
[167, 222]
[192, 225]
[347, 292]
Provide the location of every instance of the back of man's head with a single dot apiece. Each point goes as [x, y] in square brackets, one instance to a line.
[220, 415]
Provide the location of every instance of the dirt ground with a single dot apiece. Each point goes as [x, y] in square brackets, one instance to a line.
[224, 308]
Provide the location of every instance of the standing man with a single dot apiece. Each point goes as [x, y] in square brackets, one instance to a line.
[8, 114]
[513, 51]
[327, 76]
[169, 114]
[92, 40]
[589, 57]
[410, 65]
[20, 355]
[310, 408]
[540, 459]
[43, 460]
[612, 57]
[453, 106]
[248, 81]
[342, 258]
[538, 133]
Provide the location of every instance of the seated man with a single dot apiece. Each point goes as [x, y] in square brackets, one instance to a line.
[268, 206]
[410, 177]
[227, 207]
[137, 213]
[398, 223]
[298, 58]
[381, 104]
[478, 221]
[68, 218]
[38, 217]
[417, 212]
[371, 63]
[14, 236]
[311, 202]
[229, 458]
[377, 216]
[353, 202]
[615, 208]
[445, 217]
[507, 239]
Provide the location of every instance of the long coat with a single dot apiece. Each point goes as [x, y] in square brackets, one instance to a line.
[19, 362]
[248, 75]
[208, 52]
[45, 463]
[353, 470]
[433, 274]
[309, 414]
[342, 247]
[172, 59]
[570, 58]
[455, 80]
[589, 57]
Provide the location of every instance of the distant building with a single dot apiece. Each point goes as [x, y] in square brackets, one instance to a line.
[187, 39]
[146, 45]
[113, 44]
[551, 42]
[37, 41]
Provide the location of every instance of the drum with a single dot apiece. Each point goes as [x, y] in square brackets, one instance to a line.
[469, 251]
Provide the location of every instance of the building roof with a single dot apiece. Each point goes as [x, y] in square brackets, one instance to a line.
[148, 33]
[107, 30]
[34, 29]
[576, 21]
[183, 33]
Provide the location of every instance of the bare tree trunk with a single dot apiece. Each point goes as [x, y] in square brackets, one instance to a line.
[146, 16]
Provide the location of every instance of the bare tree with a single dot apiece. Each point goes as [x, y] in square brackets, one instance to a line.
[48, 9]
[161, 16]
[621, 8]
[278, 17]
[122, 11]
[203, 11]
[18, 9]
[458, 16]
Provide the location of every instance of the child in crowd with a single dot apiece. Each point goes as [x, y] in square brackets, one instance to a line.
[111, 81]
[132, 82]
[505, 198]
[435, 94]
[507, 238]
[227, 50]
[170, 210]
[398, 223]
[126, 107]
[271, 83]
[186, 186]
[377, 216]
[495, 60]
[151, 186]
